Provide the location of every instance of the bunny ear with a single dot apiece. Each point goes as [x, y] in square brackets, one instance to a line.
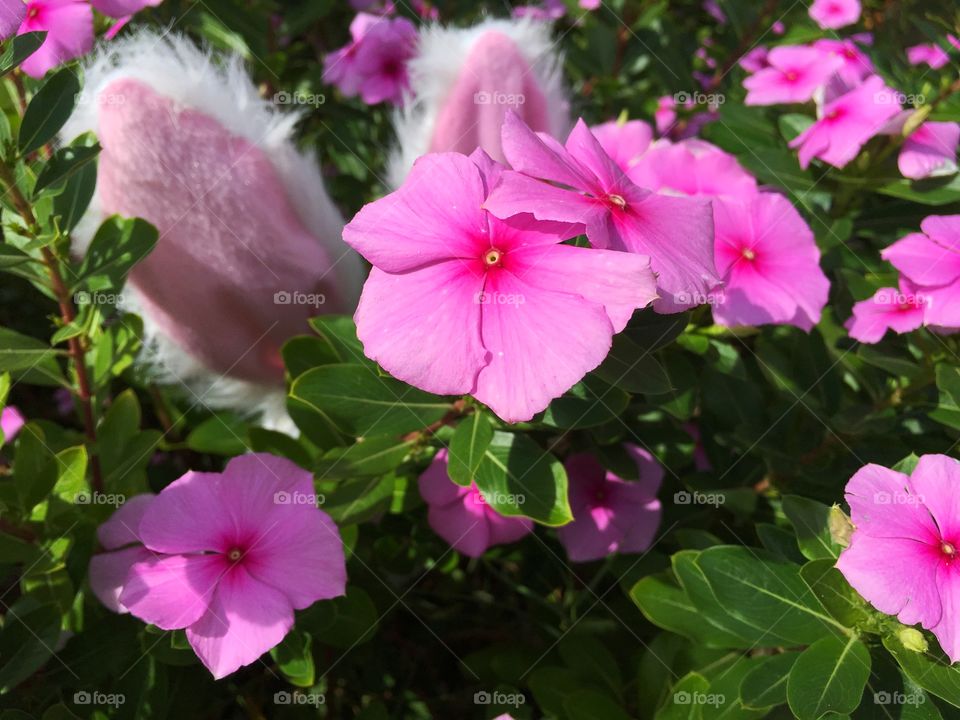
[250, 243]
[465, 80]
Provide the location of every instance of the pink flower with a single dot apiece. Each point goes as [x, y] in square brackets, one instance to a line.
[902, 556]
[374, 64]
[589, 4]
[833, 14]
[546, 10]
[624, 142]
[122, 8]
[692, 167]
[755, 60]
[854, 66]
[665, 116]
[931, 54]
[227, 556]
[847, 123]
[900, 310]
[11, 422]
[69, 26]
[586, 187]
[770, 264]
[461, 302]
[713, 9]
[930, 151]
[793, 74]
[12, 13]
[461, 515]
[931, 261]
[610, 514]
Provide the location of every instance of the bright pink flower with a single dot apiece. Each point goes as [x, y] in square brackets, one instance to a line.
[586, 187]
[847, 123]
[854, 67]
[374, 64]
[833, 14]
[11, 422]
[930, 151]
[778, 28]
[589, 4]
[227, 556]
[460, 302]
[665, 116]
[69, 26]
[122, 8]
[462, 516]
[931, 261]
[793, 74]
[903, 554]
[770, 264]
[12, 13]
[692, 167]
[610, 514]
[931, 54]
[339, 67]
[899, 309]
[755, 60]
[624, 142]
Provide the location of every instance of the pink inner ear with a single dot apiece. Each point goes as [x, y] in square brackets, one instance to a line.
[495, 78]
[231, 248]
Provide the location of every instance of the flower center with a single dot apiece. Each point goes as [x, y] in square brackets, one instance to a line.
[748, 254]
[493, 257]
[32, 11]
[617, 200]
[792, 75]
[235, 554]
[948, 549]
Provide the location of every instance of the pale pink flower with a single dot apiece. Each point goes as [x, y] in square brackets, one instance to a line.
[902, 557]
[833, 14]
[460, 302]
[228, 557]
[793, 74]
[930, 151]
[12, 13]
[931, 54]
[585, 186]
[624, 142]
[11, 422]
[462, 516]
[931, 261]
[770, 264]
[69, 27]
[339, 67]
[665, 116]
[546, 10]
[899, 309]
[610, 514]
[374, 64]
[847, 123]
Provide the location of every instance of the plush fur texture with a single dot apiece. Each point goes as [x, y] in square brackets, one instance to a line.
[445, 64]
[190, 145]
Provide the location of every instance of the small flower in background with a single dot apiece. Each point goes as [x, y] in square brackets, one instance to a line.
[374, 64]
[12, 13]
[547, 10]
[11, 422]
[610, 514]
[899, 309]
[929, 53]
[713, 9]
[903, 554]
[624, 141]
[833, 14]
[579, 183]
[854, 66]
[461, 515]
[755, 60]
[930, 151]
[847, 123]
[931, 261]
[529, 316]
[793, 74]
[218, 555]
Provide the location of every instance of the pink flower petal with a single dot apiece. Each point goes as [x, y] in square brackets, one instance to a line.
[936, 480]
[12, 13]
[624, 142]
[884, 504]
[69, 26]
[109, 572]
[121, 8]
[435, 485]
[172, 591]
[123, 526]
[466, 531]
[11, 423]
[930, 151]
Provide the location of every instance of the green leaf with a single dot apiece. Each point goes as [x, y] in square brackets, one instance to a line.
[343, 622]
[72, 203]
[933, 191]
[222, 434]
[34, 466]
[518, 478]
[48, 110]
[19, 352]
[305, 353]
[632, 368]
[116, 248]
[359, 402]
[589, 403]
[64, 163]
[766, 684]
[592, 705]
[652, 330]
[829, 676]
[340, 333]
[810, 521]
[368, 457]
[26, 643]
[295, 660]
[19, 49]
[468, 446]
[682, 701]
[833, 591]
[933, 672]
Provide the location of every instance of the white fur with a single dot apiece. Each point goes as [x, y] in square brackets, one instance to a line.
[221, 88]
[441, 54]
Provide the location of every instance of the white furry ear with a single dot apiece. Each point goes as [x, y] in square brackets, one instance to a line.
[464, 81]
[250, 243]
